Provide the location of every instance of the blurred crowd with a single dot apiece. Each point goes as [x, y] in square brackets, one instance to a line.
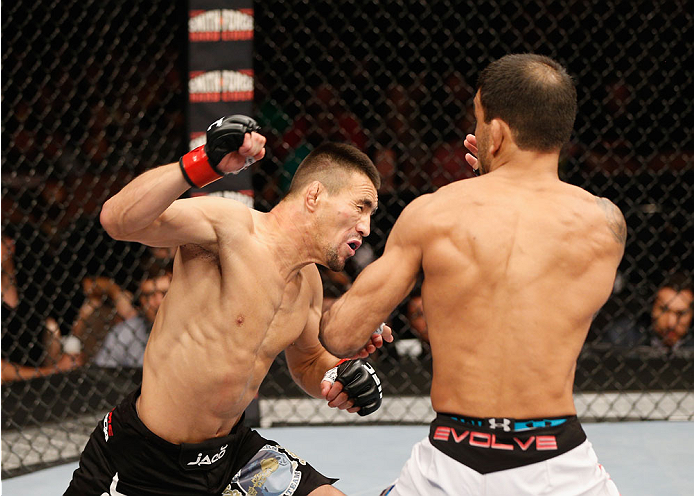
[72, 296]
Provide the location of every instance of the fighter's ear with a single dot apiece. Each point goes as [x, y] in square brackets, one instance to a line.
[498, 130]
[314, 191]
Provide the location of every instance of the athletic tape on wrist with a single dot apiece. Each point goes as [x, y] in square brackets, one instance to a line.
[249, 161]
[331, 375]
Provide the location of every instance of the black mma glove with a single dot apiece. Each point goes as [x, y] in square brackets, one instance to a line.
[360, 382]
[199, 166]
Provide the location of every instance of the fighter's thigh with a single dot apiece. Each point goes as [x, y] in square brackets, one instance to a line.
[430, 472]
[274, 470]
[574, 472]
[580, 468]
[326, 490]
[94, 475]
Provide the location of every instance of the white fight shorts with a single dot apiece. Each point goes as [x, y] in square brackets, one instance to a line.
[431, 472]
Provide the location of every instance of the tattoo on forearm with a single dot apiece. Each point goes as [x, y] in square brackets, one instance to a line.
[615, 219]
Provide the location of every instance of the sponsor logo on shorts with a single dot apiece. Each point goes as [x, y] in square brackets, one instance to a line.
[113, 491]
[220, 24]
[108, 427]
[271, 472]
[489, 441]
[206, 460]
[505, 424]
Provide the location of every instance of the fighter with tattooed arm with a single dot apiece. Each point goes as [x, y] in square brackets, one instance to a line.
[516, 263]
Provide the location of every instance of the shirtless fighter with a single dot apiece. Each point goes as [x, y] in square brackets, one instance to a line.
[245, 287]
[515, 263]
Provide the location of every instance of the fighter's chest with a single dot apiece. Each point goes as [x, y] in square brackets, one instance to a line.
[294, 303]
[289, 316]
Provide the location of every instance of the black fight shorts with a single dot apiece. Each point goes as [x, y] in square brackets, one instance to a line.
[124, 458]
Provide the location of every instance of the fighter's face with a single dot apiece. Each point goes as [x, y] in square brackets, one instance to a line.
[672, 314]
[152, 292]
[482, 135]
[346, 220]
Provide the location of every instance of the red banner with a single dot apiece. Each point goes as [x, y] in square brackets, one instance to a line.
[220, 78]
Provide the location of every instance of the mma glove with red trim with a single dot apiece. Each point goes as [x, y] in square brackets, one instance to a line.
[360, 382]
[224, 136]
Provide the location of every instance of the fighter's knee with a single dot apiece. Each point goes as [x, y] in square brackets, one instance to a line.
[326, 490]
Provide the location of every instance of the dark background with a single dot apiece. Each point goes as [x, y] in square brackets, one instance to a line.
[93, 93]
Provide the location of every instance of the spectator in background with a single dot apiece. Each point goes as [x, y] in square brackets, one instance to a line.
[163, 255]
[125, 343]
[327, 118]
[415, 316]
[667, 326]
[31, 345]
[105, 305]
[448, 162]
[414, 343]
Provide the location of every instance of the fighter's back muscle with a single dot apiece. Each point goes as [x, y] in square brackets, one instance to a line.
[512, 269]
[501, 237]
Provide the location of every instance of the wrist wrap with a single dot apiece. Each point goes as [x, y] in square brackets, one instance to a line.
[197, 169]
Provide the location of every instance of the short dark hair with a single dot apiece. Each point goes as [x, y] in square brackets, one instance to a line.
[326, 160]
[678, 282]
[534, 95]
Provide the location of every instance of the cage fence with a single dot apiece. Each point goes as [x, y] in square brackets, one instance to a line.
[94, 93]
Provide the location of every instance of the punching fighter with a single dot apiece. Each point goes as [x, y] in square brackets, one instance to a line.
[244, 288]
[516, 263]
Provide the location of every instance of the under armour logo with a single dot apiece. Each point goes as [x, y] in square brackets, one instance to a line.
[505, 424]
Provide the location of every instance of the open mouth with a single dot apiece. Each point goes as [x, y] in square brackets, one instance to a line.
[354, 245]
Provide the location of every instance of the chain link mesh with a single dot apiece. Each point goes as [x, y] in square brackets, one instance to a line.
[93, 95]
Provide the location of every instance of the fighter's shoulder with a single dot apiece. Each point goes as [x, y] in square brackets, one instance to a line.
[607, 212]
[415, 213]
[224, 211]
[614, 217]
[440, 201]
[420, 203]
[311, 276]
[216, 203]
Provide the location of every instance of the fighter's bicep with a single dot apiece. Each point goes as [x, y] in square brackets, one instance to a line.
[389, 279]
[306, 347]
[179, 226]
[386, 281]
[403, 251]
[190, 221]
[308, 339]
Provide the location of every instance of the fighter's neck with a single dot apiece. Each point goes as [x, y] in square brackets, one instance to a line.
[287, 233]
[526, 165]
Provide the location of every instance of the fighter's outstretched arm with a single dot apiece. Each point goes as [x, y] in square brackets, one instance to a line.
[353, 385]
[307, 360]
[347, 326]
[145, 210]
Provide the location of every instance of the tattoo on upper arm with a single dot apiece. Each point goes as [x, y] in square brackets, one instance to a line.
[615, 219]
